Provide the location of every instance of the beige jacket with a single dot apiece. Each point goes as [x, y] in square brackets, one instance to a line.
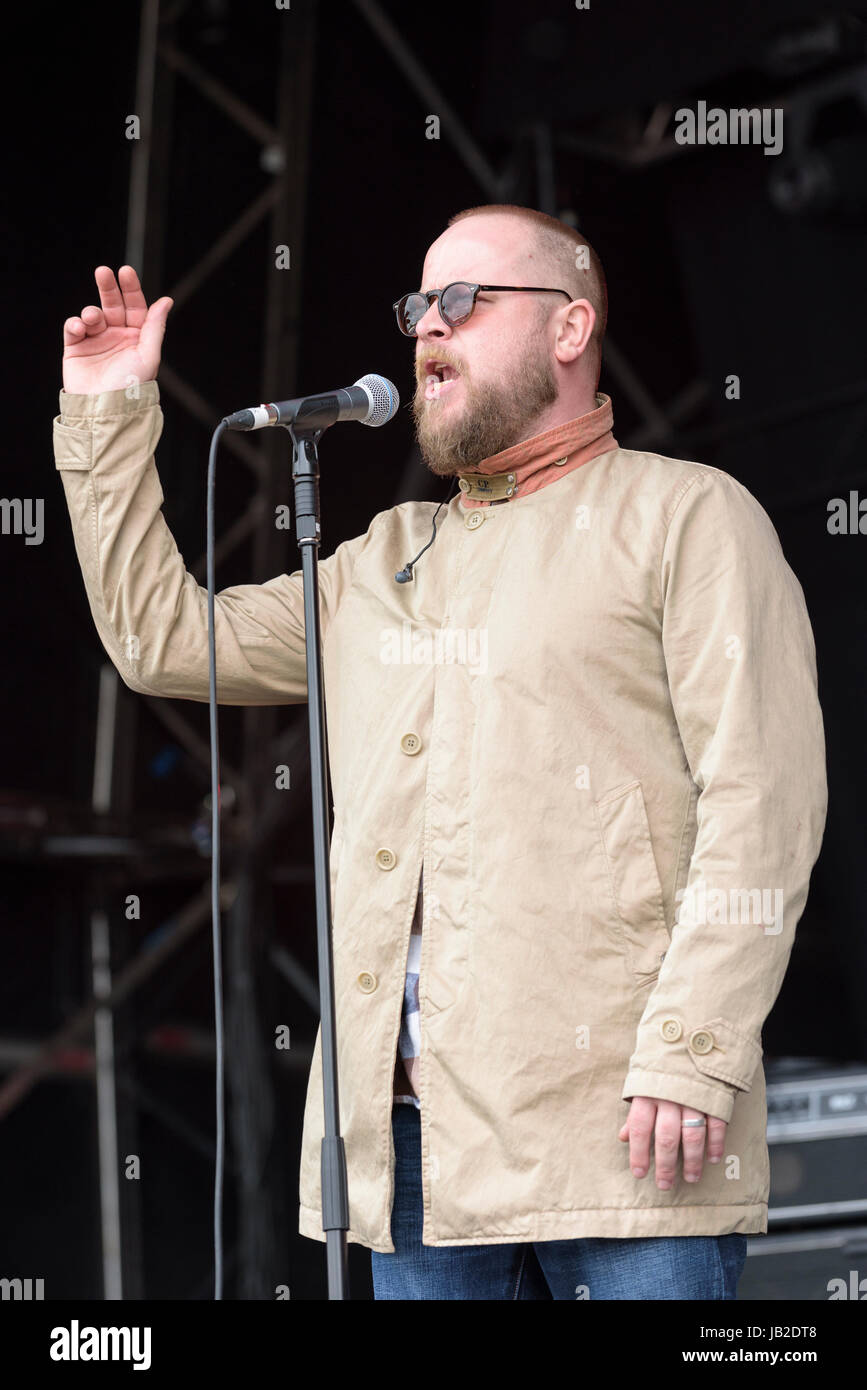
[592, 719]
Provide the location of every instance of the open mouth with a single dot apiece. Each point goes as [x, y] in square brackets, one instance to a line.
[440, 379]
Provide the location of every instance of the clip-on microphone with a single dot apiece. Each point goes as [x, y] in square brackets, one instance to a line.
[405, 575]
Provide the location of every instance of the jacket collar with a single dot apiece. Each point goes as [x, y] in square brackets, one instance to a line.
[532, 464]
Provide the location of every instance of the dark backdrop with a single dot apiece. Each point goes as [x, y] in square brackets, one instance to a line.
[708, 277]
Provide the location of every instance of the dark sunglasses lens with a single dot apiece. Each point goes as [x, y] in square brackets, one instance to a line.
[457, 304]
[410, 309]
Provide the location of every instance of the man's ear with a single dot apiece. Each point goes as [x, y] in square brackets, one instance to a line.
[574, 330]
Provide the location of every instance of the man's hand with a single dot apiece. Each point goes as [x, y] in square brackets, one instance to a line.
[106, 348]
[663, 1119]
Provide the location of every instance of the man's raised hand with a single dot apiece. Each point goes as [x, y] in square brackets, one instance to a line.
[117, 344]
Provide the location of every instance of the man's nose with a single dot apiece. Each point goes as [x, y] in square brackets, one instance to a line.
[431, 324]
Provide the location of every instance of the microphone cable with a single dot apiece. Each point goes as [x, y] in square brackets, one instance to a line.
[405, 575]
[215, 874]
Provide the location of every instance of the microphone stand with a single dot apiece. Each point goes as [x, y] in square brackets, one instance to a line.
[335, 1199]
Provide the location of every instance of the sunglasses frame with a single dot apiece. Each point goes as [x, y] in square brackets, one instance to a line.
[431, 295]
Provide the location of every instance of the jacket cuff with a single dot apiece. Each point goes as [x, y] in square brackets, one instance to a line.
[718, 1101]
[75, 427]
[704, 1067]
[77, 408]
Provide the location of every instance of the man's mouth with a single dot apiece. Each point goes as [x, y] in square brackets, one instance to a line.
[440, 379]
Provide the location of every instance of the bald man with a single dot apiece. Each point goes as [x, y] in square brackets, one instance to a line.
[578, 769]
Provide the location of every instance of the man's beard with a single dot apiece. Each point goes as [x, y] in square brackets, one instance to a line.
[495, 415]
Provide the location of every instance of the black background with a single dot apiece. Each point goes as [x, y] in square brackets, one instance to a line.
[706, 278]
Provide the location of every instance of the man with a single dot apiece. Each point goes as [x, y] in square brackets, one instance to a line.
[588, 727]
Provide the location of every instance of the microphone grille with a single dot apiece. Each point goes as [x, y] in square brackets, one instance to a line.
[384, 399]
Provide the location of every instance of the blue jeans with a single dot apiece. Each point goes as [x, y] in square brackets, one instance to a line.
[660, 1267]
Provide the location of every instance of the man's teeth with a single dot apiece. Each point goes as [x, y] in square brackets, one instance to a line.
[436, 384]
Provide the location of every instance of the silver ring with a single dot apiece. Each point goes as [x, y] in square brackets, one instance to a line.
[693, 1124]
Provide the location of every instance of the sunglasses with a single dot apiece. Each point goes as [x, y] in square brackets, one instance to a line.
[456, 303]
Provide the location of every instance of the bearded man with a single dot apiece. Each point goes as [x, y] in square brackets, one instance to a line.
[536, 1006]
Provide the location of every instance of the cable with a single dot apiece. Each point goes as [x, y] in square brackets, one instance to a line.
[405, 575]
[215, 872]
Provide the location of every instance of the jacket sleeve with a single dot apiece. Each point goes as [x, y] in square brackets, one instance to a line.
[741, 667]
[150, 612]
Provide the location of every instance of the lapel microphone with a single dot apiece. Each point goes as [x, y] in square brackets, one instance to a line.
[405, 575]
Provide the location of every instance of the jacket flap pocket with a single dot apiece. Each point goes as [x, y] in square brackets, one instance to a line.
[719, 1050]
[635, 886]
[72, 448]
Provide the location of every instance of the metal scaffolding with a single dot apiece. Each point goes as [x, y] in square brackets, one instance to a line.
[283, 145]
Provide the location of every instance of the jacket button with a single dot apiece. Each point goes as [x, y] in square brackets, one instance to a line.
[474, 518]
[367, 982]
[701, 1041]
[386, 858]
[411, 744]
[671, 1029]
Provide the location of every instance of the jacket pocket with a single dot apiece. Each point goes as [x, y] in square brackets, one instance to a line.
[624, 831]
[72, 448]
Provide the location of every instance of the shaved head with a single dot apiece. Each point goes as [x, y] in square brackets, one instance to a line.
[561, 255]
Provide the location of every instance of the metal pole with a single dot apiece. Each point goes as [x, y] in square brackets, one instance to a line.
[103, 1022]
[144, 96]
[106, 1109]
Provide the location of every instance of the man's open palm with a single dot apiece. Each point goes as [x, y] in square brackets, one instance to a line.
[106, 348]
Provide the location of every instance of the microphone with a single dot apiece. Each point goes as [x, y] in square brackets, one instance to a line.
[372, 400]
[406, 576]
